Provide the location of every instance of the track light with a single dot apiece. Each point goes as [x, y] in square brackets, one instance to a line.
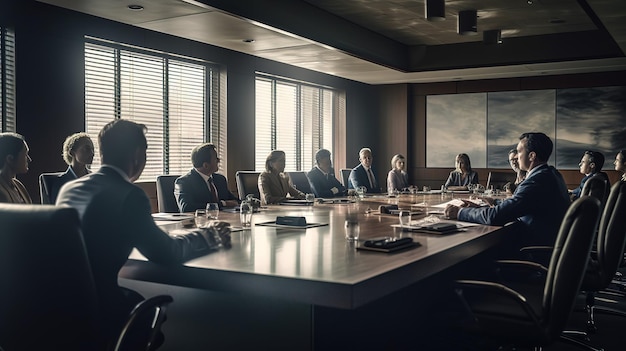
[493, 36]
[466, 24]
[435, 10]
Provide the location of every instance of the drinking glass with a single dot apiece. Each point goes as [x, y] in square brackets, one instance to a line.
[212, 210]
[245, 214]
[309, 197]
[200, 219]
[405, 218]
[361, 191]
[352, 230]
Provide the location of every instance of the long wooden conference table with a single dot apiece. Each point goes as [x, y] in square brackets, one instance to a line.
[307, 288]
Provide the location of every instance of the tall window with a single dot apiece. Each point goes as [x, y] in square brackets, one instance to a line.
[7, 80]
[294, 117]
[176, 98]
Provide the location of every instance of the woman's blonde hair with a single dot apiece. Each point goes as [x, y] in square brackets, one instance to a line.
[273, 156]
[465, 158]
[395, 159]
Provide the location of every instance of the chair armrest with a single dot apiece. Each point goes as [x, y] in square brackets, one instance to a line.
[489, 300]
[521, 271]
[150, 311]
[536, 249]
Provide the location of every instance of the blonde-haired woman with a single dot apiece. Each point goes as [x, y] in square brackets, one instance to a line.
[274, 184]
[397, 178]
[463, 175]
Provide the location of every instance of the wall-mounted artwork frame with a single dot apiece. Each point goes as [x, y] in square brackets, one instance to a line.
[487, 125]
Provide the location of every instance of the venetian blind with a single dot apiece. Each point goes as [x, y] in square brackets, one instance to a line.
[7, 80]
[294, 117]
[174, 98]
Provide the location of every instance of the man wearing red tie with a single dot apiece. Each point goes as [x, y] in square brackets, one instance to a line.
[202, 184]
[363, 174]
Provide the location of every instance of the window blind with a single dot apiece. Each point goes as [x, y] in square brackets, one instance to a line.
[294, 117]
[178, 100]
[7, 80]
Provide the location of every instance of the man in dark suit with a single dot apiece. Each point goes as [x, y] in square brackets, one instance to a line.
[116, 217]
[322, 177]
[201, 184]
[590, 165]
[539, 202]
[363, 174]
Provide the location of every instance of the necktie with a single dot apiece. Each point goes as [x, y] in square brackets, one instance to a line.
[213, 190]
[370, 175]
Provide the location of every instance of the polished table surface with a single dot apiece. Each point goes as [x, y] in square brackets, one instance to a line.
[317, 265]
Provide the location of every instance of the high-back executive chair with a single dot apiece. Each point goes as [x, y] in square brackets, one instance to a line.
[300, 181]
[48, 299]
[248, 183]
[609, 253]
[165, 193]
[539, 317]
[597, 186]
[45, 186]
[345, 178]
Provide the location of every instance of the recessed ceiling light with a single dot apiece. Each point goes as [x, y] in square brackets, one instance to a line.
[135, 7]
[248, 40]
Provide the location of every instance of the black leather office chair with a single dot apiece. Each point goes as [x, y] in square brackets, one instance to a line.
[47, 296]
[300, 181]
[609, 253]
[345, 175]
[538, 316]
[248, 183]
[599, 187]
[45, 186]
[165, 193]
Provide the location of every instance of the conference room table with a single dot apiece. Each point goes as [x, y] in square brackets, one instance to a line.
[325, 285]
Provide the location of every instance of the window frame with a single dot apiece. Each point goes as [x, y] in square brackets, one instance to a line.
[214, 116]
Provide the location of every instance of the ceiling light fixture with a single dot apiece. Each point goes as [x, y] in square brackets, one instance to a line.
[135, 7]
[248, 40]
[466, 24]
[493, 36]
[435, 10]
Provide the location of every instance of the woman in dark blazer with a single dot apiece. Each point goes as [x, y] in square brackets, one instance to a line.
[463, 175]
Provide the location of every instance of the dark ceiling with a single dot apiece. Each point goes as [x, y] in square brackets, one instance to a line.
[378, 41]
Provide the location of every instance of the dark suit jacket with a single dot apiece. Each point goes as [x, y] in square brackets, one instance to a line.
[59, 182]
[321, 184]
[358, 177]
[193, 193]
[115, 216]
[540, 202]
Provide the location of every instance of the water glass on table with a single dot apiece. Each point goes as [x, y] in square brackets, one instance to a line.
[212, 210]
[200, 219]
[245, 214]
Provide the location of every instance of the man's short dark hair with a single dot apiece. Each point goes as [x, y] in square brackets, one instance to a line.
[597, 158]
[10, 144]
[119, 139]
[201, 154]
[539, 143]
[320, 154]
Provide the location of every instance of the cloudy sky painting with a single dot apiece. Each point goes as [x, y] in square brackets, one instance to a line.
[590, 119]
[456, 124]
[509, 114]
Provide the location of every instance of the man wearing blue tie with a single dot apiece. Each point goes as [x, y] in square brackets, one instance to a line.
[202, 184]
[363, 174]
